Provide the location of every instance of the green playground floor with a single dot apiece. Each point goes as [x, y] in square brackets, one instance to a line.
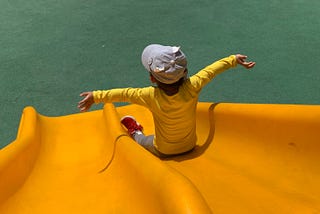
[53, 50]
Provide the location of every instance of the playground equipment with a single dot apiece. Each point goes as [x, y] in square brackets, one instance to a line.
[249, 158]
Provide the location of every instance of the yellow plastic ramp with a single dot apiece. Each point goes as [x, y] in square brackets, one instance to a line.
[85, 163]
[250, 158]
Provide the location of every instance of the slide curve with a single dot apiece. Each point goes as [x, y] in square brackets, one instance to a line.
[249, 158]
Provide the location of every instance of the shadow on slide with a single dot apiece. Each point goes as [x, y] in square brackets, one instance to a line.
[250, 158]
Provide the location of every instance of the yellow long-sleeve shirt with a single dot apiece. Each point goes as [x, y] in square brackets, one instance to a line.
[174, 116]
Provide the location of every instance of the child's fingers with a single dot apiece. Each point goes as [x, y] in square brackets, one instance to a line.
[81, 103]
[252, 64]
[249, 64]
[86, 102]
[80, 107]
[241, 58]
[83, 94]
[83, 107]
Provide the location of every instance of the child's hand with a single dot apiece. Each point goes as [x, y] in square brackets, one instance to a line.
[241, 59]
[86, 102]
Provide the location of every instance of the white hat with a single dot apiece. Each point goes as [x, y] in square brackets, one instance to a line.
[166, 63]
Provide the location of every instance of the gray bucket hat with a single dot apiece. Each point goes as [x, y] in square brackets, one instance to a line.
[166, 63]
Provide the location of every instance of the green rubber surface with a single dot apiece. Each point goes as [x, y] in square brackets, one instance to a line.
[53, 50]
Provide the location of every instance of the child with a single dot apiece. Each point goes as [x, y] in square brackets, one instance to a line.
[172, 102]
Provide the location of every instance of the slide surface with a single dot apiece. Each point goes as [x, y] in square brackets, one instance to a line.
[249, 158]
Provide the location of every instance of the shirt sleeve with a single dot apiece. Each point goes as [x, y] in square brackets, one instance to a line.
[133, 95]
[204, 76]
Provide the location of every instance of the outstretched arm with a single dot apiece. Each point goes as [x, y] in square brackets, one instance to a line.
[86, 102]
[241, 60]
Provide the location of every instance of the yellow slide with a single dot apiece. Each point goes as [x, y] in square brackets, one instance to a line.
[250, 158]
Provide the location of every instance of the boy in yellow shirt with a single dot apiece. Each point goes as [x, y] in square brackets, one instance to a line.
[172, 102]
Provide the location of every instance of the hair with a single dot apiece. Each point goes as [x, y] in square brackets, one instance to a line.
[170, 89]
